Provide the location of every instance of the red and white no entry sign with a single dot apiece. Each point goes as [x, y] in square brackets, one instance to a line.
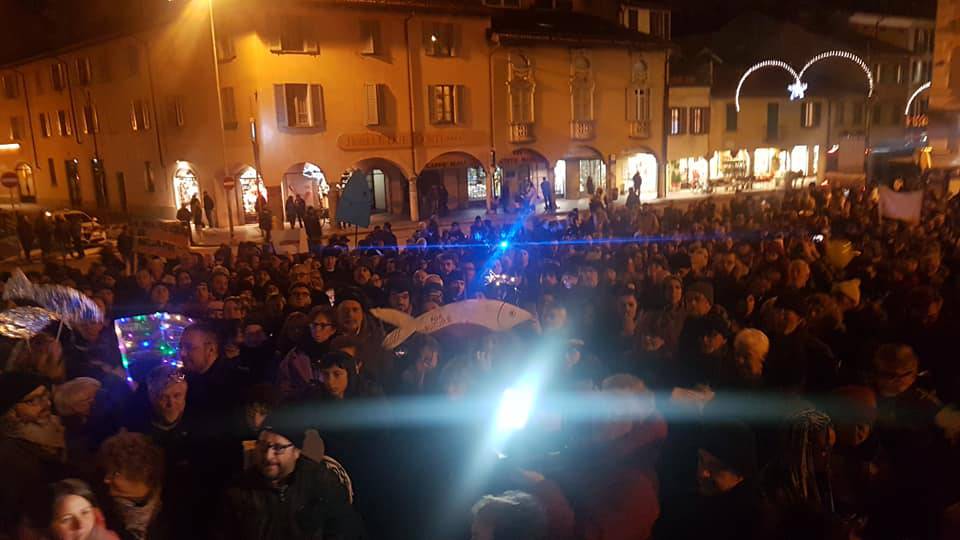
[9, 179]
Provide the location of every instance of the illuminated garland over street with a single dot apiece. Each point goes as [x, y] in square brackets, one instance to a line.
[798, 88]
[913, 96]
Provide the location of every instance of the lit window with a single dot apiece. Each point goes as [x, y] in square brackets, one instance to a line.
[63, 124]
[810, 114]
[16, 128]
[678, 120]
[139, 115]
[699, 120]
[58, 76]
[438, 39]
[444, 103]
[299, 105]
[91, 123]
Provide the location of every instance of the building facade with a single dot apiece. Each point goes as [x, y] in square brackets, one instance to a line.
[436, 101]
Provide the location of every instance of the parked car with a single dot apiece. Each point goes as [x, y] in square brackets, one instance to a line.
[90, 228]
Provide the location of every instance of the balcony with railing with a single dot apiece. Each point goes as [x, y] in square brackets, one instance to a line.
[521, 132]
[640, 129]
[581, 130]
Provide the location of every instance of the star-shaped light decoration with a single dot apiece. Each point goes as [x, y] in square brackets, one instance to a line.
[797, 90]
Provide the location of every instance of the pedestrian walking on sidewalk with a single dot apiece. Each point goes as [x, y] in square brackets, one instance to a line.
[196, 211]
[208, 207]
[290, 208]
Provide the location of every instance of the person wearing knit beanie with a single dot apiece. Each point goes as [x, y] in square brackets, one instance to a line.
[15, 387]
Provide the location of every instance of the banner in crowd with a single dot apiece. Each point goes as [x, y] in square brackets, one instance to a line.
[901, 205]
[494, 315]
[157, 238]
[355, 202]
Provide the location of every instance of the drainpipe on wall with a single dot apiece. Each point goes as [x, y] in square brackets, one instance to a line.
[662, 165]
[414, 195]
[26, 102]
[493, 142]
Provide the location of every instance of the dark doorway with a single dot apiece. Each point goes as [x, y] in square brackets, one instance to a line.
[72, 167]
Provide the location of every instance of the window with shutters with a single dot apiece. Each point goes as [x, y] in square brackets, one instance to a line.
[229, 107]
[521, 86]
[731, 117]
[438, 39]
[225, 48]
[638, 104]
[151, 185]
[63, 124]
[502, 3]
[660, 24]
[139, 115]
[58, 76]
[445, 103]
[373, 104]
[11, 86]
[44, 120]
[177, 117]
[370, 38]
[810, 114]
[699, 120]
[581, 88]
[299, 105]
[678, 120]
[294, 37]
[839, 113]
[84, 71]
[91, 122]
[564, 5]
[16, 128]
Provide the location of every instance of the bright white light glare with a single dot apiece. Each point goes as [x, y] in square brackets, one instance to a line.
[766, 63]
[504, 244]
[924, 86]
[514, 411]
[833, 149]
[10, 147]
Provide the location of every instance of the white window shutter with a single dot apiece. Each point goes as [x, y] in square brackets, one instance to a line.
[432, 102]
[372, 95]
[280, 97]
[317, 117]
[146, 115]
[310, 43]
[458, 92]
[133, 116]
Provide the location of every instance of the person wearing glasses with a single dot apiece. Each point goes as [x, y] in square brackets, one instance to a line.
[133, 475]
[287, 495]
[32, 445]
[295, 376]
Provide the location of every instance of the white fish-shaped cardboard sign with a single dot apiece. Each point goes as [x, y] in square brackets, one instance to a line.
[494, 315]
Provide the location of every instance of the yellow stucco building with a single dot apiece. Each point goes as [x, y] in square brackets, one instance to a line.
[478, 97]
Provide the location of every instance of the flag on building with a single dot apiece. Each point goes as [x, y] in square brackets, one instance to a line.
[902, 205]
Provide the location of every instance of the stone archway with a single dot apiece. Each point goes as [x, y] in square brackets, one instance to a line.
[460, 174]
[389, 184]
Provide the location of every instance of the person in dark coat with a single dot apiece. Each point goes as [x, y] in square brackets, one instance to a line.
[287, 495]
[125, 246]
[196, 210]
[290, 209]
[208, 209]
[266, 223]
[301, 206]
[76, 237]
[32, 446]
[725, 503]
[44, 234]
[26, 235]
[547, 190]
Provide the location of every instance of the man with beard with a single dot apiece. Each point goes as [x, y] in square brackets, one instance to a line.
[287, 495]
[32, 446]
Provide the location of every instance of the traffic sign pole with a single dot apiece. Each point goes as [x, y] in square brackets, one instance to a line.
[10, 180]
[229, 183]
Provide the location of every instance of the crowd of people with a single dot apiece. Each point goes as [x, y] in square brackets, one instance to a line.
[746, 369]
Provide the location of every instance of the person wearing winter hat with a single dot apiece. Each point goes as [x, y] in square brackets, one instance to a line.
[31, 445]
[728, 505]
[286, 492]
[698, 298]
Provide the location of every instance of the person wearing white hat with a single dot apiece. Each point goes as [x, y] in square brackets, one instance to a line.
[847, 294]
